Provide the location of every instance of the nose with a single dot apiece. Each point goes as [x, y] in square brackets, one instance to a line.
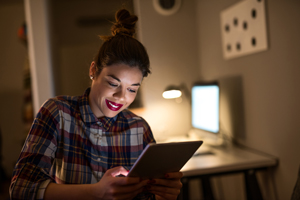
[120, 94]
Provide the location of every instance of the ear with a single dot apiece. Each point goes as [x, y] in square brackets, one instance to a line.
[92, 69]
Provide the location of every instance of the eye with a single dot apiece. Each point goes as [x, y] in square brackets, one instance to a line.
[112, 84]
[131, 90]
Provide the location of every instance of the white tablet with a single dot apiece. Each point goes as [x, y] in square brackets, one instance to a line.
[158, 159]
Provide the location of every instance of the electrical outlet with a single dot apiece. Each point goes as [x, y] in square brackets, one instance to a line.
[243, 28]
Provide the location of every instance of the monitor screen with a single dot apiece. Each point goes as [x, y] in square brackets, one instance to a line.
[205, 107]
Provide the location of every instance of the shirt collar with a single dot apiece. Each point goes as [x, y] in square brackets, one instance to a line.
[88, 116]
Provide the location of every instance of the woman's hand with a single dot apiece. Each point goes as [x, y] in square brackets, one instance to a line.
[112, 187]
[166, 189]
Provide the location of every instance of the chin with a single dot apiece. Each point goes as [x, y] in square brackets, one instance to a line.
[111, 114]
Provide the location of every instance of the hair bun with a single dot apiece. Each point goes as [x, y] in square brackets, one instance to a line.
[125, 23]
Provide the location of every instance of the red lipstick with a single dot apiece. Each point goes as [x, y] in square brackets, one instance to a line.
[113, 106]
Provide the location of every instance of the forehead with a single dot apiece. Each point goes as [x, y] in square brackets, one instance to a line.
[123, 72]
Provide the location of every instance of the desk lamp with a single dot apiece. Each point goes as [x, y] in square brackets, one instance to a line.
[172, 92]
[175, 92]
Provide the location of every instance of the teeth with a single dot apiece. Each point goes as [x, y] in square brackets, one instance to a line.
[113, 105]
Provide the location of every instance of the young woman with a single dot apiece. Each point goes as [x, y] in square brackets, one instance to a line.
[77, 146]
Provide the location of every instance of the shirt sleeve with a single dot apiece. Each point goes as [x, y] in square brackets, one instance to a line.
[31, 173]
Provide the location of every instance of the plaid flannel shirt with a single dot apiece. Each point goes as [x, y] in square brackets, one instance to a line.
[67, 144]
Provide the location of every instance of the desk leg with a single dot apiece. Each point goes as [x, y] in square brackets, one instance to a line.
[206, 188]
[252, 187]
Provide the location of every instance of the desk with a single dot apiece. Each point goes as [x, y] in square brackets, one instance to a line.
[223, 161]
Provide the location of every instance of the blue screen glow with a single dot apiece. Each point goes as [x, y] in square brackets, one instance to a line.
[205, 107]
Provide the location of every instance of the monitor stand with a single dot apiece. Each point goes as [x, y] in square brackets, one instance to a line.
[209, 139]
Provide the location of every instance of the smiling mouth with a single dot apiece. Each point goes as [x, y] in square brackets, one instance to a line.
[113, 106]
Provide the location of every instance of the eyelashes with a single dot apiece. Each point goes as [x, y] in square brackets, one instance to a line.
[116, 85]
[133, 91]
[111, 84]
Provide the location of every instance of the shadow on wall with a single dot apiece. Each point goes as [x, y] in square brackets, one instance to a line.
[232, 116]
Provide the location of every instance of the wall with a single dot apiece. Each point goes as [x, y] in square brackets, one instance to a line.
[260, 94]
[269, 83]
[13, 55]
[170, 42]
[75, 28]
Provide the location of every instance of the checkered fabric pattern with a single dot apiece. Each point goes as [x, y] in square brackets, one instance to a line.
[67, 144]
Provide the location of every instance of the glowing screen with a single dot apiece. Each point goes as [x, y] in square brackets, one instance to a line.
[205, 107]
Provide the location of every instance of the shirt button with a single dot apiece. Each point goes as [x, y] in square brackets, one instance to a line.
[99, 159]
[99, 123]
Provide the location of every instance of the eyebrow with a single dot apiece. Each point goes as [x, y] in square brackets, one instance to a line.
[112, 76]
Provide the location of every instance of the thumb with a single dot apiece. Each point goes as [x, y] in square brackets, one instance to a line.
[117, 171]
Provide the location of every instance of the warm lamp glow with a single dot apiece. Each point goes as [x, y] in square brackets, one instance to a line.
[171, 94]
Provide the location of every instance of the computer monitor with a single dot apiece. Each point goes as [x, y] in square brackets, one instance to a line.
[205, 106]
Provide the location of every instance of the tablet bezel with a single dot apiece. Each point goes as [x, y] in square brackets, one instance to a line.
[158, 159]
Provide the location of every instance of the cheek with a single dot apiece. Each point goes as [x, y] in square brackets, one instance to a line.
[99, 97]
[131, 98]
[103, 92]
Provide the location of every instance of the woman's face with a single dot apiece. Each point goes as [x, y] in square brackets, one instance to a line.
[114, 89]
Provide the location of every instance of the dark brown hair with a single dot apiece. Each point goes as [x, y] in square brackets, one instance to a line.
[121, 46]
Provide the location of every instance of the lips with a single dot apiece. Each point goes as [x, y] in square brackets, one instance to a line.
[113, 106]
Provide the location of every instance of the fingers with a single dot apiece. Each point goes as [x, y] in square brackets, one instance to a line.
[175, 183]
[163, 196]
[168, 188]
[174, 175]
[124, 181]
[162, 189]
[164, 192]
[172, 180]
[127, 192]
[165, 186]
[112, 187]
[117, 171]
[131, 188]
